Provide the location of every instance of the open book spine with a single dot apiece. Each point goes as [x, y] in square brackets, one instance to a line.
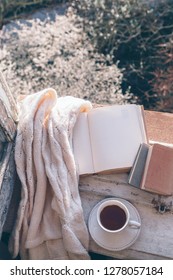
[82, 146]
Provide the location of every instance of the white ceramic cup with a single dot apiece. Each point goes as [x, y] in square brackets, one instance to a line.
[113, 216]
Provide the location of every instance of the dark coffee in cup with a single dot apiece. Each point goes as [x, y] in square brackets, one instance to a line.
[112, 217]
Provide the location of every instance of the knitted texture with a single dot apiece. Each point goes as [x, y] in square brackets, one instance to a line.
[50, 222]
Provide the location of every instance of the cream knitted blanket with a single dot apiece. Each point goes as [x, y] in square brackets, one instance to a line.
[50, 222]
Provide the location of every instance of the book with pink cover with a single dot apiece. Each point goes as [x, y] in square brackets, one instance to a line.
[153, 169]
[158, 172]
[108, 138]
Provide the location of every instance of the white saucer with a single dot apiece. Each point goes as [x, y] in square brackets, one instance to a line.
[114, 241]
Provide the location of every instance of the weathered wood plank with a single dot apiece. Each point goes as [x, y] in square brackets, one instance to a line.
[8, 112]
[8, 119]
[4, 160]
[7, 98]
[8, 177]
[7, 125]
[155, 240]
[159, 126]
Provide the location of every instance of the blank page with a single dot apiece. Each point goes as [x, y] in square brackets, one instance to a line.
[81, 145]
[116, 133]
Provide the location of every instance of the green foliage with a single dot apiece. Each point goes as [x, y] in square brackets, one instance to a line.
[131, 32]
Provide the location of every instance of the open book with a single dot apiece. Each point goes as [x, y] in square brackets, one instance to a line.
[108, 138]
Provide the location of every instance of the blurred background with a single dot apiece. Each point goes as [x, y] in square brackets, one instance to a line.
[107, 51]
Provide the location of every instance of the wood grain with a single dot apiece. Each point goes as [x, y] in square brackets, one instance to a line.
[8, 120]
[155, 240]
[156, 211]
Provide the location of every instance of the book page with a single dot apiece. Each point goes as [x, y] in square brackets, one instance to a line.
[81, 145]
[116, 133]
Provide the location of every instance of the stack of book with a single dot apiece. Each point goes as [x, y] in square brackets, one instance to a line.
[153, 166]
[115, 139]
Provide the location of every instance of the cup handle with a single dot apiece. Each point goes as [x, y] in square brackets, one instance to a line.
[134, 224]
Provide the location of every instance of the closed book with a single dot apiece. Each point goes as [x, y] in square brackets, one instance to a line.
[158, 172]
[136, 173]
